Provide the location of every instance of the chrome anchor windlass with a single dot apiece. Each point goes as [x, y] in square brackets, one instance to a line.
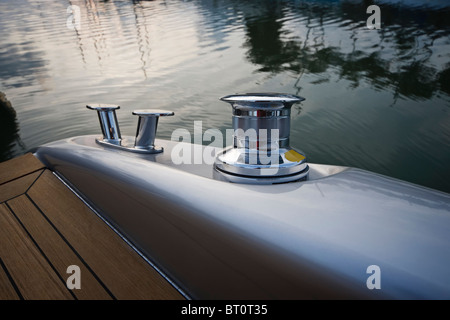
[261, 153]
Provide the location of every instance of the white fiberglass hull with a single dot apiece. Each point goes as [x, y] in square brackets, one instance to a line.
[309, 239]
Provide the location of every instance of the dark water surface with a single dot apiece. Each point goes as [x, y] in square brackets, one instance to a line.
[375, 99]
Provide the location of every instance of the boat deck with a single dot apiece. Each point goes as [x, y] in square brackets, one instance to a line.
[45, 228]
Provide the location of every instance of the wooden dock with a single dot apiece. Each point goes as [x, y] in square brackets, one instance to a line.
[45, 228]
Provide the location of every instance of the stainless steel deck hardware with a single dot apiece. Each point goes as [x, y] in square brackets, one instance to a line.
[108, 122]
[261, 152]
[146, 129]
[145, 134]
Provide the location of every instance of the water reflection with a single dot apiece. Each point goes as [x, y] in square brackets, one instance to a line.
[184, 55]
[9, 129]
[399, 57]
[142, 35]
[21, 61]
[265, 46]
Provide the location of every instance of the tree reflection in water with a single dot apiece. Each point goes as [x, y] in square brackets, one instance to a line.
[400, 61]
[9, 129]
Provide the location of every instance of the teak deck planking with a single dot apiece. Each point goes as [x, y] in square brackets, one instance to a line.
[45, 228]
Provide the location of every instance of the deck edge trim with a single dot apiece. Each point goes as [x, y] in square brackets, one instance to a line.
[28, 188]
